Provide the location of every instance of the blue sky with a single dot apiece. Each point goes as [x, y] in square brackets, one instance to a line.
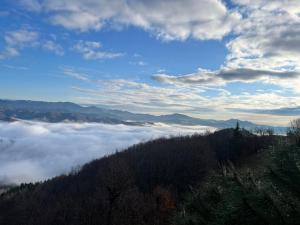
[204, 58]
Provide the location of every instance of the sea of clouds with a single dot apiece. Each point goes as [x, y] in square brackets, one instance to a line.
[35, 151]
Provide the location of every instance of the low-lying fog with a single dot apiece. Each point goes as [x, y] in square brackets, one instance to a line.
[34, 151]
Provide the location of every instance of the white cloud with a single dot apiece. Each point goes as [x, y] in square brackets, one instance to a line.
[196, 99]
[227, 75]
[77, 20]
[53, 47]
[141, 63]
[90, 50]
[33, 5]
[74, 74]
[21, 37]
[267, 39]
[265, 48]
[138, 63]
[9, 52]
[141, 97]
[33, 151]
[17, 40]
[290, 6]
[168, 19]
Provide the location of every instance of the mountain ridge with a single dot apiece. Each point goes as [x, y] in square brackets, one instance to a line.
[68, 111]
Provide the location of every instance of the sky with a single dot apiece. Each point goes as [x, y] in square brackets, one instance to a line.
[203, 58]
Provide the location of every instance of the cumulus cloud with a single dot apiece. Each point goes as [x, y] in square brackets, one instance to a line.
[264, 49]
[34, 151]
[17, 40]
[90, 50]
[167, 19]
[53, 47]
[264, 45]
[22, 38]
[291, 6]
[267, 38]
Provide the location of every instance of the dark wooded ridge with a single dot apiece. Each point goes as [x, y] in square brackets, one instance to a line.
[149, 184]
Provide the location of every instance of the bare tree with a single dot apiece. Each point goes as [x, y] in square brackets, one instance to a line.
[294, 131]
[264, 131]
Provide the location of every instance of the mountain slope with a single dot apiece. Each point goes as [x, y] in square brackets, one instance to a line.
[66, 111]
[143, 185]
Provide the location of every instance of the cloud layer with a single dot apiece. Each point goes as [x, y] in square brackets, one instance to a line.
[226, 75]
[34, 151]
[168, 20]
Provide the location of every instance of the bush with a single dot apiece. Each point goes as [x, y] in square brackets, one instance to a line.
[244, 198]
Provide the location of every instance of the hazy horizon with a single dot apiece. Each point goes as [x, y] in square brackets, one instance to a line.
[256, 118]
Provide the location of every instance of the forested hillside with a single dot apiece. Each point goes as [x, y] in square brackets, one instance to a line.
[229, 177]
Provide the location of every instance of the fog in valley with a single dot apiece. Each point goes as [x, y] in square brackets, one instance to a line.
[35, 151]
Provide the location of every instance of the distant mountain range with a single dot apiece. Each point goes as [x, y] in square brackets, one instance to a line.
[288, 111]
[11, 110]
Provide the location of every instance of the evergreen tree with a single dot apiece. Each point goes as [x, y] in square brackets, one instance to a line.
[238, 198]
